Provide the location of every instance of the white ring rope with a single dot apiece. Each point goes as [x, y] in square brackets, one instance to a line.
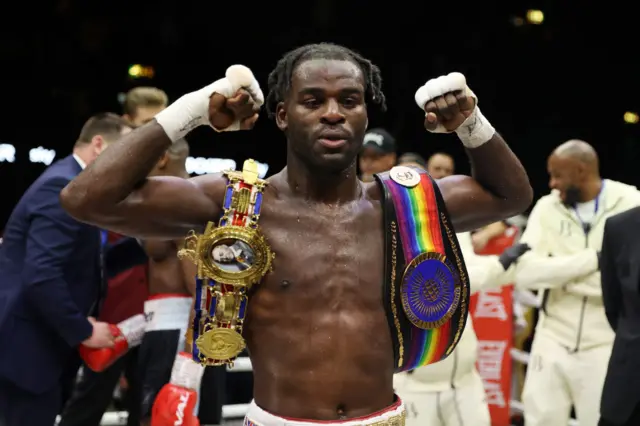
[243, 365]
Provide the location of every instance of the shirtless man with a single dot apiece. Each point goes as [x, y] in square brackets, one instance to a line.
[318, 337]
[171, 290]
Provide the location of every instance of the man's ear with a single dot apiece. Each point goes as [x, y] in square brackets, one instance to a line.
[98, 143]
[162, 162]
[281, 116]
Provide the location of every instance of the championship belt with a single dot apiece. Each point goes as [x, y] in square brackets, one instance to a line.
[426, 289]
[230, 258]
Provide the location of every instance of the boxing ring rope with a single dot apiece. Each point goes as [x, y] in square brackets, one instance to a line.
[232, 411]
[243, 364]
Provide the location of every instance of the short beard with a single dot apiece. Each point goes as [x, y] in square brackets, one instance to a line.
[572, 196]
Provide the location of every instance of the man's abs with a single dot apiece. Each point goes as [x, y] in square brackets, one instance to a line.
[330, 366]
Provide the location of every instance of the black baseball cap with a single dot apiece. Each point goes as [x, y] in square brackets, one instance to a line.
[380, 140]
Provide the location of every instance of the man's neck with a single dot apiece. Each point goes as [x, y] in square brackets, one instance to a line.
[338, 187]
[591, 190]
[84, 155]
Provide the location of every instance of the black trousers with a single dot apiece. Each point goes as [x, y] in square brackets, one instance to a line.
[19, 407]
[94, 393]
[634, 420]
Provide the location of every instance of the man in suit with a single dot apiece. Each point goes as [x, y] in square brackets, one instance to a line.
[126, 296]
[51, 282]
[620, 272]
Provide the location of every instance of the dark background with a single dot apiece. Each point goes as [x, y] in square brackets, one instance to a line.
[574, 76]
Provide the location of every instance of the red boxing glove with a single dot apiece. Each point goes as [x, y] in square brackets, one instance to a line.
[175, 406]
[128, 334]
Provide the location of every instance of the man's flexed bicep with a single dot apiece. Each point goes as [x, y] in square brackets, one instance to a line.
[162, 207]
[115, 192]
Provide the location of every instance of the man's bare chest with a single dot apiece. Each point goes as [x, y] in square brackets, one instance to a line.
[324, 246]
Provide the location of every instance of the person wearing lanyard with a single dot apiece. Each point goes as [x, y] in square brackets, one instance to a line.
[586, 212]
[573, 339]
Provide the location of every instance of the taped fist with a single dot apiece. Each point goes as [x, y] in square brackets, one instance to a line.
[236, 106]
[447, 101]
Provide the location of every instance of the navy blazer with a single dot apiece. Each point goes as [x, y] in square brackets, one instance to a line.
[50, 280]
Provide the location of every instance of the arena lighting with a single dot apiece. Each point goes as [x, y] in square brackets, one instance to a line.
[202, 165]
[535, 17]
[42, 155]
[141, 71]
[631, 117]
[7, 153]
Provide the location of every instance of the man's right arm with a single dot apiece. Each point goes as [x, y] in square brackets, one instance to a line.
[115, 193]
[535, 269]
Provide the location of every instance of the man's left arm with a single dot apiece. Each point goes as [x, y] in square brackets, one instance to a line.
[499, 187]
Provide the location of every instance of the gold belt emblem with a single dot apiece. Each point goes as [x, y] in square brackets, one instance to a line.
[230, 258]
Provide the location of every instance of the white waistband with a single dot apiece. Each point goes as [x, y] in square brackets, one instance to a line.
[168, 313]
[256, 416]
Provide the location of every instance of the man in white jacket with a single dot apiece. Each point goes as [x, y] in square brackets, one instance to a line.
[573, 340]
[451, 392]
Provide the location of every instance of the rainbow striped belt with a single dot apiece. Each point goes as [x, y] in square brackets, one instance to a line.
[426, 289]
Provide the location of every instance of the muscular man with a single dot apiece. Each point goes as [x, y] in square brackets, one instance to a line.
[171, 287]
[573, 339]
[320, 343]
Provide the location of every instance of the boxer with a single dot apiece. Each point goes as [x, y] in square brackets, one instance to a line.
[322, 343]
[167, 311]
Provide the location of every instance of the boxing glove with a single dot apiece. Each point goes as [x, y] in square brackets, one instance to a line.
[174, 406]
[177, 401]
[127, 334]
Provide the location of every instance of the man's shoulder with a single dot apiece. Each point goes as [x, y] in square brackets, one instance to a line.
[546, 204]
[214, 185]
[372, 190]
[624, 218]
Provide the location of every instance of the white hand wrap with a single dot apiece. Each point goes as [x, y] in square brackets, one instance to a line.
[186, 372]
[476, 129]
[192, 109]
[133, 329]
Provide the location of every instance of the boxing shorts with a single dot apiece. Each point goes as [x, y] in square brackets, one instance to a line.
[394, 415]
[167, 321]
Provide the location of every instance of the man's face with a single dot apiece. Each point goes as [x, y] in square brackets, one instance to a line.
[324, 115]
[373, 161]
[223, 254]
[566, 175]
[144, 114]
[440, 166]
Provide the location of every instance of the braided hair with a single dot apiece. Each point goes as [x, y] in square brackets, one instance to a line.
[279, 82]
